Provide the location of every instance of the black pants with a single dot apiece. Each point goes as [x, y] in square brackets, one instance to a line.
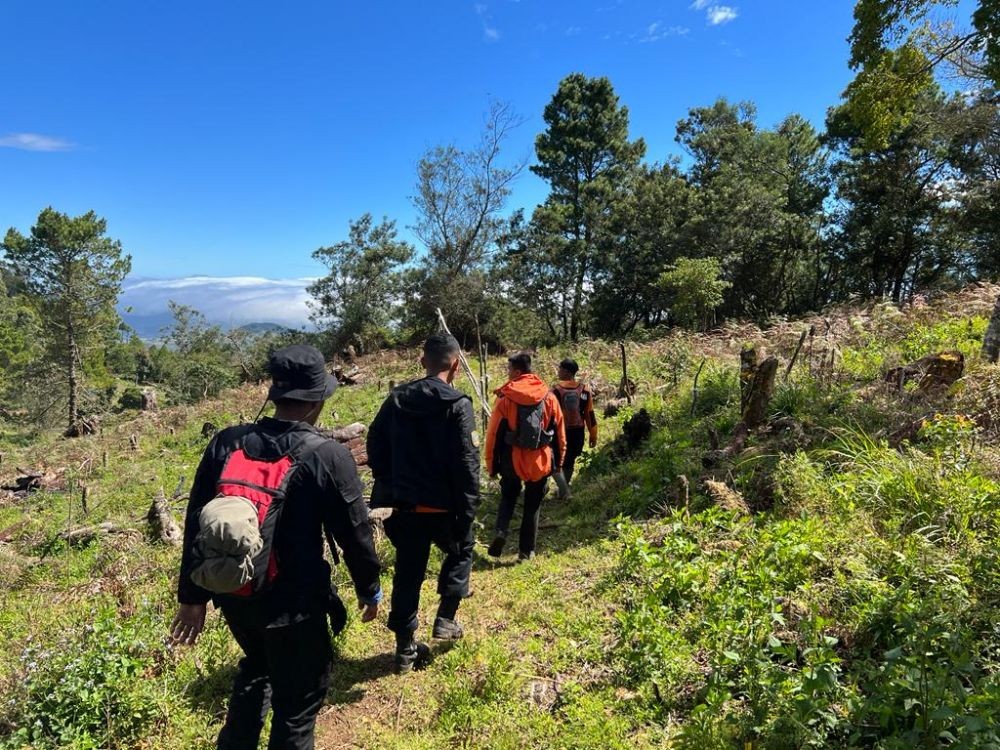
[510, 490]
[286, 669]
[412, 534]
[574, 447]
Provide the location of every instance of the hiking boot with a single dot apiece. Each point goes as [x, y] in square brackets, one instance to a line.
[496, 546]
[414, 656]
[525, 556]
[447, 630]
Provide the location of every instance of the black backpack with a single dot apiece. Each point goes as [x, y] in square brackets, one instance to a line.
[530, 432]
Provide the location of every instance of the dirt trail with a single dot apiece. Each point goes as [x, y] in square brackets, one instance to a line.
[509, 603]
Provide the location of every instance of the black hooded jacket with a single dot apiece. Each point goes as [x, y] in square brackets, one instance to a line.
[423, 450]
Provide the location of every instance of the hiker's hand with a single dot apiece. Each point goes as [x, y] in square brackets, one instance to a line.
[593, 441]
[188, 623]
[369, 613]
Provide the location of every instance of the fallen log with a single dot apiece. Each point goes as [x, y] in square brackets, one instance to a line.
[162, 525]
[85, 534]
[932, 373]
[348, 433]
[354, 376]
[351, 437]
[28, 481]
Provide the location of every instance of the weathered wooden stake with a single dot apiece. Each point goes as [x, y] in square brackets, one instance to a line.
[694, 392]
[795, 356]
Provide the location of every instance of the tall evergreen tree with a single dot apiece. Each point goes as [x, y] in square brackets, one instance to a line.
[74, 275]
[586, 156]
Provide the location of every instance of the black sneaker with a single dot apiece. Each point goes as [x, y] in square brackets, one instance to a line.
[414, 656]
[447, 630]
[496, 546]
[525, 556]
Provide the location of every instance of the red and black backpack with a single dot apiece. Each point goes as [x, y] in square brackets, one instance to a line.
[234, 550]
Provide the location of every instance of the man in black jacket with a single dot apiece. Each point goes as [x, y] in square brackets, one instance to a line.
[424, 455]
[283, 632]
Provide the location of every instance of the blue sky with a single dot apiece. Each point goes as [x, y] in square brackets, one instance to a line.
[232, 139]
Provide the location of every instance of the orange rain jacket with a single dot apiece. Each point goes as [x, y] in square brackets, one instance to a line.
[529, 464]
[586, 404]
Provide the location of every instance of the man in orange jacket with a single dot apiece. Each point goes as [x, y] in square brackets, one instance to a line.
[577, 402]
[525, 422]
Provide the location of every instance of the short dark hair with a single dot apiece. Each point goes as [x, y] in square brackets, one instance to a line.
[440, 350]
[520, 361]
[569, 365]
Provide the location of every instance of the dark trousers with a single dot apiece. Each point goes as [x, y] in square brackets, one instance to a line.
[286, 669]
[510, 490]
[412, 534]
[574, 447]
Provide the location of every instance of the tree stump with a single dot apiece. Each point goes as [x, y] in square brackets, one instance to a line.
[147, 401]
[162, 525]
[637, 429]
[933, 372]
[759, 392]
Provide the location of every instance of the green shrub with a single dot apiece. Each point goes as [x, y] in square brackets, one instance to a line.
[90, 690]
[130, 399]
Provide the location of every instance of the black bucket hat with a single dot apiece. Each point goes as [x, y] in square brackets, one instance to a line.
[299, 372]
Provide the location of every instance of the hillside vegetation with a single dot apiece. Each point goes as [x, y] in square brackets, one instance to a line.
[832, 583]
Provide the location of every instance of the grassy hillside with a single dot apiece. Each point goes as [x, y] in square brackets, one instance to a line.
[837, 587]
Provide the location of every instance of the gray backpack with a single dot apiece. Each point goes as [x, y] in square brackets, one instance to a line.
[530, 432]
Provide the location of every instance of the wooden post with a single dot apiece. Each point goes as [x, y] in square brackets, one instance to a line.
[465, 364]
[791, 362]
[694, 392]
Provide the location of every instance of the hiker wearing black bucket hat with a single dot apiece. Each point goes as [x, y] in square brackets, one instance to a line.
[263, 496]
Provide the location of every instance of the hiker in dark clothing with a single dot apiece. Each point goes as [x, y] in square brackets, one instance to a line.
[524, 442]
[424, 455]
[296, 484]
[577, 402]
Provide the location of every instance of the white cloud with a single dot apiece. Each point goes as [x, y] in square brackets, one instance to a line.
[719, 14]
[715, 14]
[227, 300]
[34, 142]
[573, 30]
[490, 32]
[655, 32]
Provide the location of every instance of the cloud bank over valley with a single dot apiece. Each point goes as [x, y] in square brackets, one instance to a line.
[229, 301]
